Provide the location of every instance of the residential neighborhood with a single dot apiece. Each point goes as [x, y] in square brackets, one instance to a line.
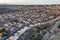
[28, 22]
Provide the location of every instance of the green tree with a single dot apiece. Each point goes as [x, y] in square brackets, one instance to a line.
[59, 26]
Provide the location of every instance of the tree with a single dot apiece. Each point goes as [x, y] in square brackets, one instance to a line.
[2, 30]
[59, 26]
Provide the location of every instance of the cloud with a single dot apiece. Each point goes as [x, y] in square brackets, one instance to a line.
[30, 1]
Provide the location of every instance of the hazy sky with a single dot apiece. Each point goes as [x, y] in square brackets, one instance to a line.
[29, 1]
